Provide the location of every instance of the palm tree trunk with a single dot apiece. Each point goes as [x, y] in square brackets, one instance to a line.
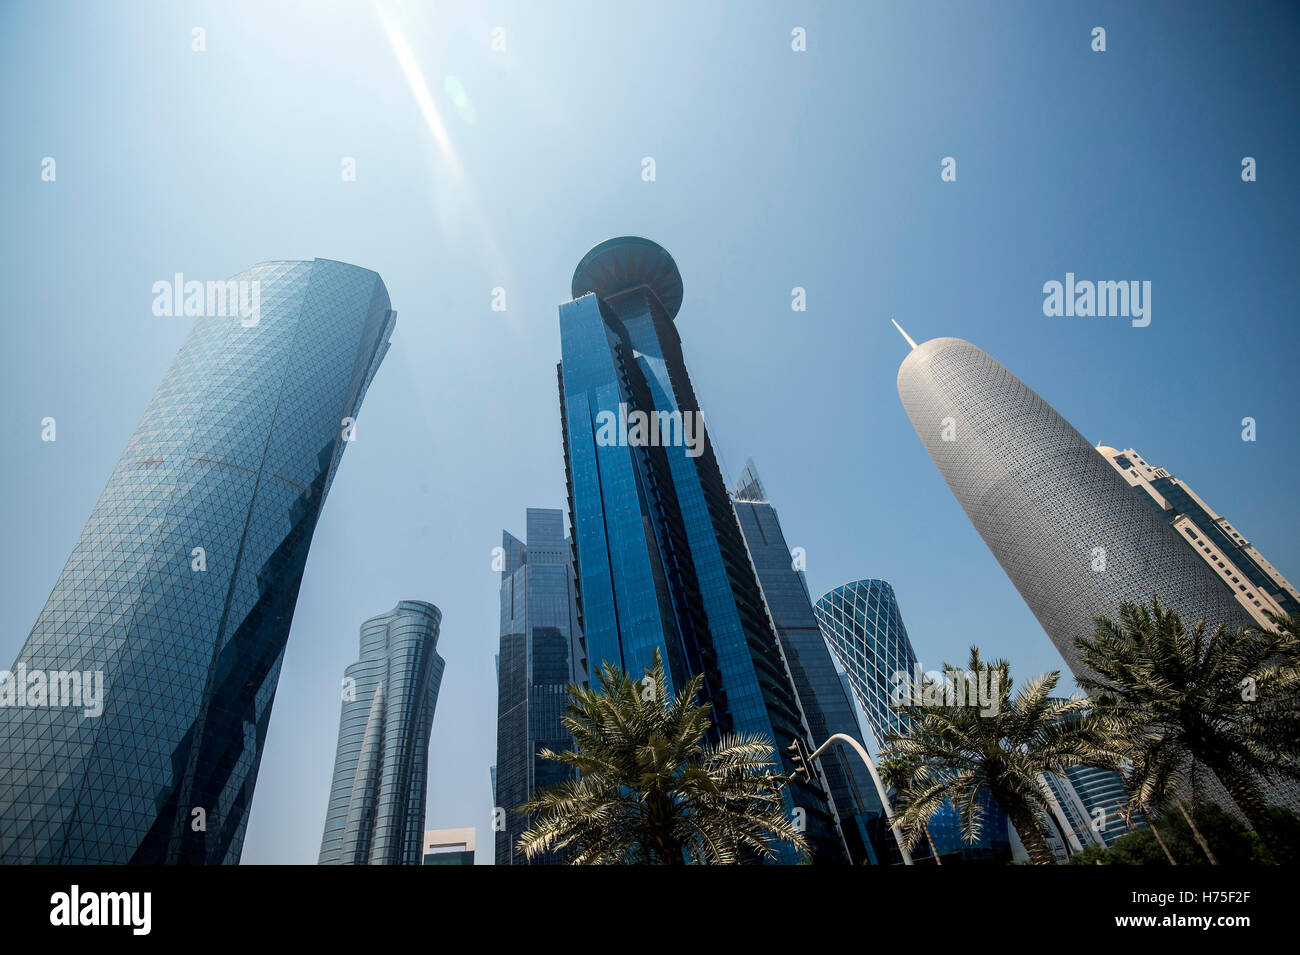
[929, 838]
[1156, 832]
[667, 850]
[1196, 834]
[1031, 834]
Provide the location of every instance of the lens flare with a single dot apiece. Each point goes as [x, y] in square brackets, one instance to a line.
[420, 89]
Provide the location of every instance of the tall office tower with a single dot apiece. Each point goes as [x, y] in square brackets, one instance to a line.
[1089, 805]
[1254, 582]
[661, 563]
[540, 655]
[1092, 801]
[381, 769]
[826, 705]
[1071, 534]
[862, 623]
[181, 588]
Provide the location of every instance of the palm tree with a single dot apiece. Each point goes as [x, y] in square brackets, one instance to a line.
[649, 790]
[1285, 688]
[1180, 702]
[955, 748]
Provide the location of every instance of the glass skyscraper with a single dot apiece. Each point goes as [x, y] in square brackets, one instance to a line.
[661, 563]
[864, 628]
[181, 588]
[540, 654]
[381, 769]
[826, 705]
[862, 623]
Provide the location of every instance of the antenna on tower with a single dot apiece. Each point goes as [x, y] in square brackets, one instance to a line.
[904, 334]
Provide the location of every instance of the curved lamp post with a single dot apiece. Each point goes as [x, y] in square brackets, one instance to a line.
[875, 777]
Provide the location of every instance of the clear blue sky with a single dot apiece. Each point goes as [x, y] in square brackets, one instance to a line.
[775, 169]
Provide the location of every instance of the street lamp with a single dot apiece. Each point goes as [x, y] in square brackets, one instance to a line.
[803, 766]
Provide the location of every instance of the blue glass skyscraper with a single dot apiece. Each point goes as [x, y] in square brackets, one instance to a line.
[381, 769]
[661, 563]
[540, 654]
[826, 706]
[182, 586]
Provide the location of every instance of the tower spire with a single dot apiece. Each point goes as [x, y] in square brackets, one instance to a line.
[904, 334]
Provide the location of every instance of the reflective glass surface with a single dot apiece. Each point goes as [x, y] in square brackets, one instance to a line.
[661, 562]
[377, 795]
[539, 657]
[234, 456]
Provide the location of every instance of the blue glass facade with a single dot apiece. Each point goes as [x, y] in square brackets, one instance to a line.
[862, 623]
[540, 656]
[864, 628]
[661, 563]
[826, 706]
[381, 768]
[182, 586]
[994, 844]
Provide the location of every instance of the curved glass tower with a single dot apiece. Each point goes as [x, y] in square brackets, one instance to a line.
[1075, 539]
[862, 623]
[660, 559]
[864, 628]
[381, 770]
[181, 588]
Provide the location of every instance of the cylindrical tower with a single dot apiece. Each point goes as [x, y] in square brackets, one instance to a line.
[1071, 534]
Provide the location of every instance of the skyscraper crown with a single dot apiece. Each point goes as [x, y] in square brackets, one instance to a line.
[627, 262]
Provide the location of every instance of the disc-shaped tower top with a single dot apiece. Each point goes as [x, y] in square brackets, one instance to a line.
[617, 265]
